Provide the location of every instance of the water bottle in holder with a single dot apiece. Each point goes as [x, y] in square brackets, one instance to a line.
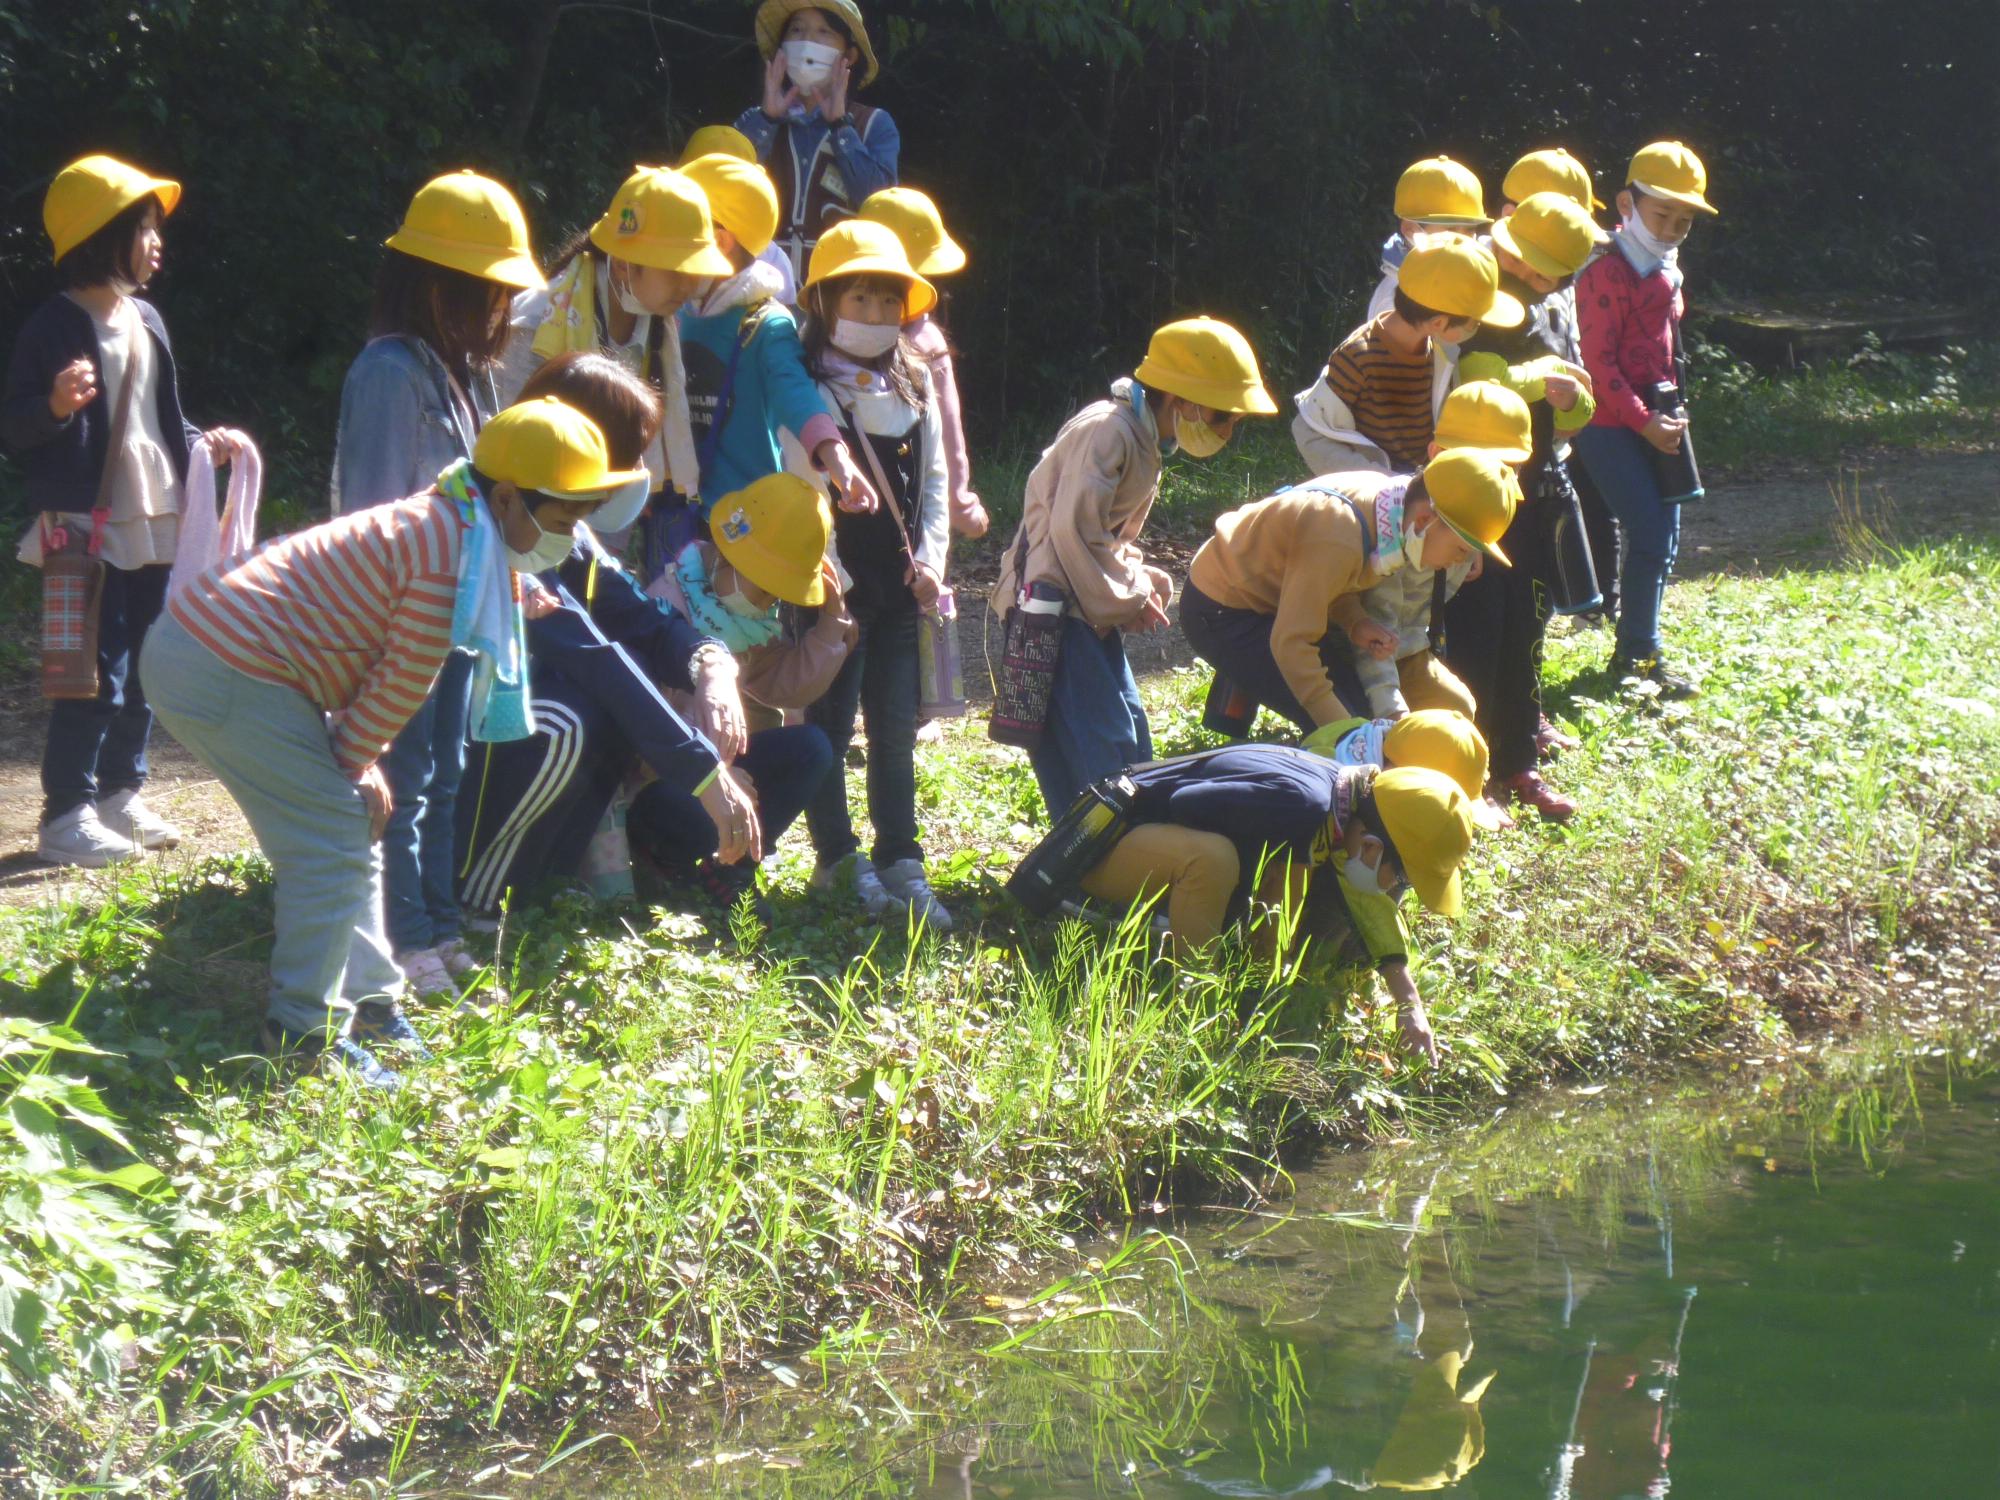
[940, 675]
[1028, 667]
[1680, 478]
[1078, 843]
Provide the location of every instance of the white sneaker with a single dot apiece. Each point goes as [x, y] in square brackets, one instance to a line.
[77, 838]
[856, 873]
[904, 880]
[426, 972]
[127, 815]
[460, 963]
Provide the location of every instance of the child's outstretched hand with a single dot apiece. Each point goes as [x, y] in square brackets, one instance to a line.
[834, 105]
[857, 496]
[779, 93]
[1664, 432]
[75, 387]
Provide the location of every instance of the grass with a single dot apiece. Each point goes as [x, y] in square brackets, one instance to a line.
[687, 1150]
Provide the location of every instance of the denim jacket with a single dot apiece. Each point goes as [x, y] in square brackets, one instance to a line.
[399, 426]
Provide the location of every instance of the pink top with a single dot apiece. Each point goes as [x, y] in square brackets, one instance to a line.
[355, 614]
[1626, 322]
[929, 341]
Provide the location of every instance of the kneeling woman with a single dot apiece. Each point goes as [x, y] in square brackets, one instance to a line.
[602, 662]
[287, 673]
[1209, 827]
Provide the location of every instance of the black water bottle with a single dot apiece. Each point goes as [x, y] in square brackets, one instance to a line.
[1680, 480]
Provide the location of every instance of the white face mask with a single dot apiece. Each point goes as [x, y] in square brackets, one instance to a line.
[1363, 880]
[622, 509]
[1413, 547]
[864, 340]
[810, 64]
[621, 289]
[1647, 241]
[552, 550]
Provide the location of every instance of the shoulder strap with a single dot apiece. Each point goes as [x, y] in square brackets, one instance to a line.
[114, 448]
[725, 399]
[860, 440]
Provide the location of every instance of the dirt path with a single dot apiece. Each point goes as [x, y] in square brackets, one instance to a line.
[1747, 525]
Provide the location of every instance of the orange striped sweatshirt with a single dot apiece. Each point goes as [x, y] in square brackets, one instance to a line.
[355, 614]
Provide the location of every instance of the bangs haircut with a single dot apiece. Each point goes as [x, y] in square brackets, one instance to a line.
[816, 336]
[452, 311]
[107, 254]
[1410, 310]
[625, 408]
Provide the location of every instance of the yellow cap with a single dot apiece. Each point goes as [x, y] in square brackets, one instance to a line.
[774, 15]
[551, 448]
[1552, 171]
[717, 140]
[861, 247]
[92, 191]
[1450, 274]
[1441, 740]
[1667, 169]
[659, 218]
[1430, 820]
[1206, 361]
[740, 196]
[1551, 232]
[919, 225]
[1485, 414]
[472, 224]
[1475, 493]
[1437, 190]
[774, 532]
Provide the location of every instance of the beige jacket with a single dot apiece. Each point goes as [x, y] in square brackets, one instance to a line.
[1086, 503]
[793, 671]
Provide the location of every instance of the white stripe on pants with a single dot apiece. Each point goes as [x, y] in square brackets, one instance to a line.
[268, 745]
[486, 880]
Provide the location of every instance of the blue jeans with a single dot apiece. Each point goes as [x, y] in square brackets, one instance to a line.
[1620, 463]
[787, 765]
[1097, 726]
[879, 678]
[424, 767]
[97, 746]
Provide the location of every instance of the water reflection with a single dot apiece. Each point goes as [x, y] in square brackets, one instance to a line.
[1781, 1287]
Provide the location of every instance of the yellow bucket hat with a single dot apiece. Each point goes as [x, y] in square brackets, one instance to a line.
[1430, 820]
[1667, 169]
[918, 224]
[740, 196]
[1206, 361]
[774, 15]
[551, 448]
[1441, 740]
[1475, 493]
[717, 140]
[861, 247]
[1485, 414]
[1450, 274]
[472, 224]
[1437, 190]
[1551, 171]
[1551, 232]
[774, 532]
[659, 218]
[92, 191]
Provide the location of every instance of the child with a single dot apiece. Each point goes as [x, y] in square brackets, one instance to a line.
[859, 292]
[917, 223]
[727, 140]
[1085, 505]
[746, 373]
[1496, 622]
[825, 152]
[1375, 404]
[92, 362]
[616, 288]
[413, 404]
[288, 672]
[1266, 592]
[1551, 171]
[1433, 196]
[1630, 305]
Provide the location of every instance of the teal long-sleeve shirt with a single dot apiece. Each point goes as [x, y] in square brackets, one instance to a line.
[772, 391]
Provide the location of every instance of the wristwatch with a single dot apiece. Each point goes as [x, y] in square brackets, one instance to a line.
[846, 120]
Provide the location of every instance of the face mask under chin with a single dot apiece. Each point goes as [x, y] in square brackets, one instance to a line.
[1196, 438]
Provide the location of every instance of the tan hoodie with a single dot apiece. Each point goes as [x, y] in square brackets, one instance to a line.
[1086, 503]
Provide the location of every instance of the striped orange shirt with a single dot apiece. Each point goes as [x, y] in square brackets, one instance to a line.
[355, 614]
[1388, 392]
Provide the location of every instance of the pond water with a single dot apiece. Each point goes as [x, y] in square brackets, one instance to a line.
[1784, 1285]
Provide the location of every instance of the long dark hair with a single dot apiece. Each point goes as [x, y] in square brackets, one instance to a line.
[899, 367]
[625, 408]
[107, 253]
[452, 311]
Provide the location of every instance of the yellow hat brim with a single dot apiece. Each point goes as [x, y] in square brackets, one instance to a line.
[602, 490]
[1532, 255]
[923, 296]
[1249, 401]
[1506, 311]
[1491, 549]
[165, 189]
[948, 259]
[690, 257]
[1692, 200]
[1447, 900]
[503, 266]
[757, 565]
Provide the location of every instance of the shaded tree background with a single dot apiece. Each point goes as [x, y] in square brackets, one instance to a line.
[1109, 163]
